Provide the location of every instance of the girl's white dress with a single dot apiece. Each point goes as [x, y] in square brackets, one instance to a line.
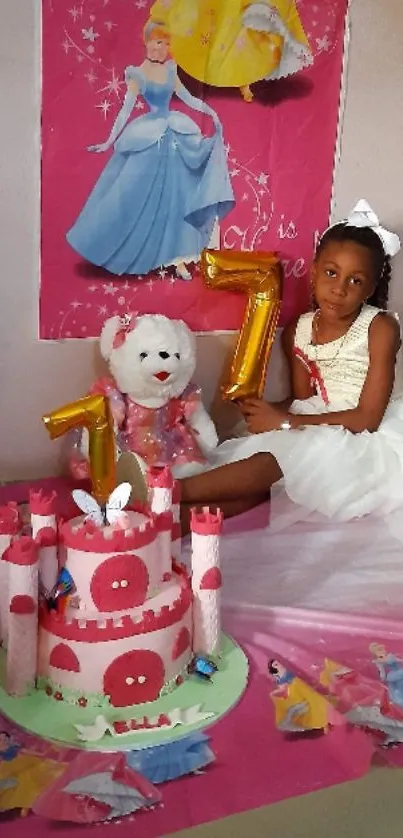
[327, 469]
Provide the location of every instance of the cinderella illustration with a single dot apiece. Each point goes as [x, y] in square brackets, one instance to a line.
[233, 43]
[390, 669]
[166, 185]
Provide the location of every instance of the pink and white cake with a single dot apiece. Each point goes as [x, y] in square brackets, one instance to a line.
[136, 616]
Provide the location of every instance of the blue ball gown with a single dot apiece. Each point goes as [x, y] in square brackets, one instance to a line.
[160, 193]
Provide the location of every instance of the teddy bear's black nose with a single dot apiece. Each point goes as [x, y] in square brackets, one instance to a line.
[164, 355]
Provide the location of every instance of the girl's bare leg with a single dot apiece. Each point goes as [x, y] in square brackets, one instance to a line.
[236, 481]
[229, 508]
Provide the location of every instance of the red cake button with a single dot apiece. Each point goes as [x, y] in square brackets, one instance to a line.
[119, 583]
[134, 678]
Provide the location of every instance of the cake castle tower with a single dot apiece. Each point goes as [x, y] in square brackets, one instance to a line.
[136, 616]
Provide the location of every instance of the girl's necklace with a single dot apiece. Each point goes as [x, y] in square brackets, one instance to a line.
[315, 331]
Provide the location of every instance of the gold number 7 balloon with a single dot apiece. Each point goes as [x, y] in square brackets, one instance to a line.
[93, 413]
[259, 275]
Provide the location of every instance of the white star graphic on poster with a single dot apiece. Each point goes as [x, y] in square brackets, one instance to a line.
[112, 86]
[234, 172]
[75, 13]
[110, 25]
[102, 310]
[89, 34]
[93, 288]
[141, 4]
[75, 304]
[121, 301]
[245, 197]
[66, 46]
[323, 44]
[150, 284]
[80, 58]
[105, 107]
[91, 77]
[90, 49]
[110, 289]
[262, 179]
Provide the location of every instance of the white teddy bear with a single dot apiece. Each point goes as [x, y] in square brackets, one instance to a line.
[158, 413]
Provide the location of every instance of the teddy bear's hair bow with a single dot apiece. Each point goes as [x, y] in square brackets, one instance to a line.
[127, 324]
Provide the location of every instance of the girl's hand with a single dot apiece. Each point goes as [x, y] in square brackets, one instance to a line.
[260, 416]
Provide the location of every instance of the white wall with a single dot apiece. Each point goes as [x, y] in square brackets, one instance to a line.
[36, 377]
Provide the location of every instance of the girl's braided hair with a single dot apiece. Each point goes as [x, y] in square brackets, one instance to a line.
[366, 237]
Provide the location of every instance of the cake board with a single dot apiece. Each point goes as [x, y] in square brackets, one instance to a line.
[55, 720]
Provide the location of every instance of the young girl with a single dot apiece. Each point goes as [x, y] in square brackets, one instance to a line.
[337, 444]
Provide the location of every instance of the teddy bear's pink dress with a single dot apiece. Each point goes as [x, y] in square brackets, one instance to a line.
[160, 436]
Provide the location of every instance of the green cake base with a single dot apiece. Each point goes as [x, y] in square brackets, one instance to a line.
[55, 720]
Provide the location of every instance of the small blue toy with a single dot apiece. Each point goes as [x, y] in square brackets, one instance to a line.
[203, 667]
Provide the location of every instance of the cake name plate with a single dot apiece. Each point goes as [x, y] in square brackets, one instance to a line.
[174, 718]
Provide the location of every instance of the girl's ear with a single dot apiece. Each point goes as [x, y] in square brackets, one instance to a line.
[312, 280]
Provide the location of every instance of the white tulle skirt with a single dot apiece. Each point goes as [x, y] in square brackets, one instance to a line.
[328, 470]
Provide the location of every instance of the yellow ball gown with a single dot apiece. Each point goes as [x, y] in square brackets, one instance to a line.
[233, 43]
[298, 707]
[24, 778]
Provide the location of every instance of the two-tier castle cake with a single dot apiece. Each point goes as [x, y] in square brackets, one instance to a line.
[134, 618]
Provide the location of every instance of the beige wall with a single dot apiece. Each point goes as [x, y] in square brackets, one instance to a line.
[35, 377]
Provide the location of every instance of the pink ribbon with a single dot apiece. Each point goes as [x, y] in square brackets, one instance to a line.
[314, 372]
[127, 324]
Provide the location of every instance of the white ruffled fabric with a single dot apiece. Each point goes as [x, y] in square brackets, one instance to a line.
[296, 56]
[328, 469]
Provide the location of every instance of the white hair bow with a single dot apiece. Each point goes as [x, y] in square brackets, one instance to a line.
[363, 216]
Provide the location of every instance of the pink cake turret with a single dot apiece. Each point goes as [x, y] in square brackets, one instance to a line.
[206, 581]
[10, 526]
[160, 483]
[22, 650]
[176, 529]
[44, 531]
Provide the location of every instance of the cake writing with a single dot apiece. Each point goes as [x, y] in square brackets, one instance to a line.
[174, 718]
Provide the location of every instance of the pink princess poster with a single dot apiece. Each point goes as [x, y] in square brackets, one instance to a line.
[173, 125]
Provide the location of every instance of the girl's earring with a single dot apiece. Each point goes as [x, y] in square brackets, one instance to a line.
[312, 303]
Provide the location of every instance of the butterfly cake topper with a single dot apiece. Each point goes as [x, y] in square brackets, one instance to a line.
[110, 513]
